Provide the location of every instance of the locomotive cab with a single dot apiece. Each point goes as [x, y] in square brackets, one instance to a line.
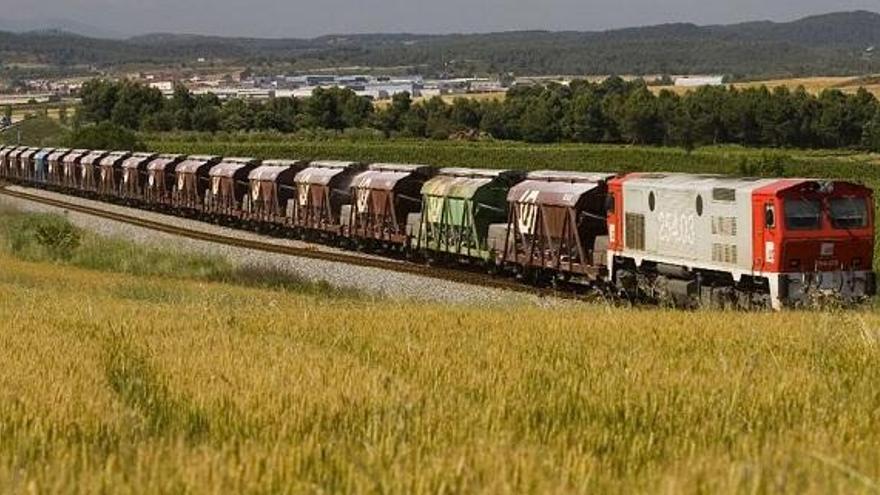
[817, 236]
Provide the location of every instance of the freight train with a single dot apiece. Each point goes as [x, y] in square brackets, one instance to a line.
[678, 239]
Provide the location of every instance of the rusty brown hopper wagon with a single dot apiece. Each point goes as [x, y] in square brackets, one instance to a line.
[4, 160]
[382, 197]
[193, 181]
[70, 170]
[89, 167]
[229, 186]
[110, 173]
[161, 176]
[55, 170]
[321, 190]
[556, 221]
[26, 163]
[15, 162]
[133, 175]
[272, 188]
[9, 160]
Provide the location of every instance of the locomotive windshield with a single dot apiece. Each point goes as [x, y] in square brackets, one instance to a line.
[803, 214]
[848, 213]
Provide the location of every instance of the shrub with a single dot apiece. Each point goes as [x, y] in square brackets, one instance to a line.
[43, 236]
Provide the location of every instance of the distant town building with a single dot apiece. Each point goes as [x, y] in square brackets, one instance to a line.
[697, 81]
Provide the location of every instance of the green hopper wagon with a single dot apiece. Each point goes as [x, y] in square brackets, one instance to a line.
[458, 205]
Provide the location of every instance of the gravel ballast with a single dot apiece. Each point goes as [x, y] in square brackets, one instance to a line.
[371, 280]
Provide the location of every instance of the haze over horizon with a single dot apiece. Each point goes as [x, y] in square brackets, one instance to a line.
[299, 19]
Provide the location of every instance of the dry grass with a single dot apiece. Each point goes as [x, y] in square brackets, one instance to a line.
[129, 384]
[813, 85]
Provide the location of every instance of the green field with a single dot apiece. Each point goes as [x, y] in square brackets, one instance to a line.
[123, 380]
[504, 154]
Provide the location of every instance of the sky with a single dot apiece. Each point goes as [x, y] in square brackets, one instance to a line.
[304, 19]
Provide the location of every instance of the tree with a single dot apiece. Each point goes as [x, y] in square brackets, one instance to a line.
[236, 115]
[62, 114]
[466, 113]
[585, 120]
[540, 121]
[390, 119]
[871, 134]
[104, 136]
[637, 117]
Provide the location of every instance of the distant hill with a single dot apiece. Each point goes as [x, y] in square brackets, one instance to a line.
[837, 43]
[51, 25]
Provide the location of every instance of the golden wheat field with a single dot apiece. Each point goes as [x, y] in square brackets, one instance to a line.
[112, 383]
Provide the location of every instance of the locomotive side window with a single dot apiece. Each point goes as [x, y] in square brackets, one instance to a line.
[848, 213]
[652, 201]
[699, 205]
[803, 214]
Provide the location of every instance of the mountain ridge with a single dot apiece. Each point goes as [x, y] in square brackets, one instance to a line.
[833, 43]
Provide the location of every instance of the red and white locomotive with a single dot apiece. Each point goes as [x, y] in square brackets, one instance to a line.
[705, 239]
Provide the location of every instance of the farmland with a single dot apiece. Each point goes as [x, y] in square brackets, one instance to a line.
[506, 154]
[160, 383]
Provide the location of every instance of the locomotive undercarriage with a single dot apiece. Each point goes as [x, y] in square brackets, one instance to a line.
[679, 287]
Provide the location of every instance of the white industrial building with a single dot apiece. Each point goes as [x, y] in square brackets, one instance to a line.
[697, 81]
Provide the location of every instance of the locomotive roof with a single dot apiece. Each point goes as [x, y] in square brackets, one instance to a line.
[677, 181]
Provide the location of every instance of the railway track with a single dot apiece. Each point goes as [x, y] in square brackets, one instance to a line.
[400, 266]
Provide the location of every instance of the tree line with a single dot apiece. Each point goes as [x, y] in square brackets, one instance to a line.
[613, 111]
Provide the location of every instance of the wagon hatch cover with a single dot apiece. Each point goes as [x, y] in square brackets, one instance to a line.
[322, 172]
[138, 160]
[566, 194]
[230, 166]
